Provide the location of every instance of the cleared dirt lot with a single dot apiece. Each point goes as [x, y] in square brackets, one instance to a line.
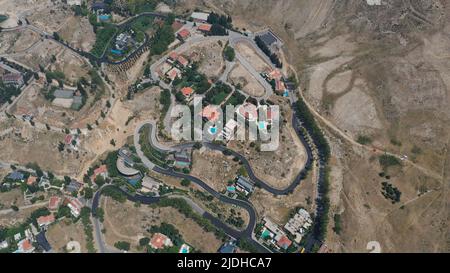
[73, 66]
[277, 168]
[252, 57]
[210, 57]
[128, 223]
[78, 32]
[278, 207]
[25, 144]
[15, 42]
[40, 54]
[240, 76]
[64, 231]
[213, 168]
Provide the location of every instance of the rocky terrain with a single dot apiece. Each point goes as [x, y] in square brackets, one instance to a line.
[376, 71]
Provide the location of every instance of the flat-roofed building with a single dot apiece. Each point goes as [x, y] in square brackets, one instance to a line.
[201, 17]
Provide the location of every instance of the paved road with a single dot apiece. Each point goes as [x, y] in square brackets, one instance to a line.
[247, 233]
[147, 200]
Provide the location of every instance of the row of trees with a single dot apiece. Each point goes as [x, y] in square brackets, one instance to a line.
[7, 92]
[273, 57]
[321, 143]
[222, 20]
[164, 36]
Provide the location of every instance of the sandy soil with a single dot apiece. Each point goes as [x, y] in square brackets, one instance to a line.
[277, 168]
[126, 222]
[20, 146]
[210, 54]
[59, 234]
[239, 75]
[213, 168]
[252, 57]
[78, 32]
[339, 82]
[319, 74]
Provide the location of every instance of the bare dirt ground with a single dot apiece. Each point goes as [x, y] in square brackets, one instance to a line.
[252, 57]
[211, 61]
[126, 222]
[240, 76]
[213, 168]
[60, 233]
[25, 144]
[40, 54]
[16, 42]
[13, 197]
[278, 207]
[398, 94]
[280, 167]
[221, 210]
[73, 66]
[78, 32]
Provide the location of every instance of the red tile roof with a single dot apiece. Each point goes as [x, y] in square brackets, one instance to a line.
[176, 25]
[284, 242]
[173, 55]
[172, 74]
[279, 86]
[100, 170]
[182, 60]
[45, 220]
[275, 74]
[26, 245]
[158, 241]
[184, 33]
[211, 113]
[54, 202]
[187, 91]
[31, 180]
[68, 139]
[248, 110]
[204, 27]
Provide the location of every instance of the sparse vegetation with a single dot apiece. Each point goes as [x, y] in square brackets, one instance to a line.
[390, 192]
[364, 140]
[387, 161]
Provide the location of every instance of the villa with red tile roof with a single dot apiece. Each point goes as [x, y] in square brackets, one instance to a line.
[54, 202]
[248, 111]
[45, 220]
[284, 242]
[160, 241]
[211, 113]
[279, 86]
[183, 61]
[176, 25]
[187, 91]
[68, 139]
[25, 246]
[275, 74]
[173, 56]
[205, 28]
[102, 170]
[31, 180]
[183, 34]
[75, 206]
[173, 73]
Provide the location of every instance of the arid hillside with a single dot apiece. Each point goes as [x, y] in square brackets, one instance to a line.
[377, 77]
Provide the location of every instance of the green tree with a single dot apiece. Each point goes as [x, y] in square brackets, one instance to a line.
[122, 245]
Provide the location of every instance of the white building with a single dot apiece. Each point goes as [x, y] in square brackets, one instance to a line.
[201, 17]
[299, 224]
[228, 131]
[74, 2]
[75, 207]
